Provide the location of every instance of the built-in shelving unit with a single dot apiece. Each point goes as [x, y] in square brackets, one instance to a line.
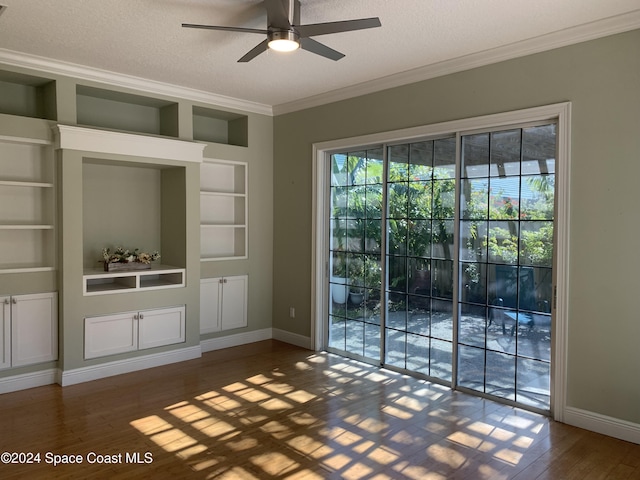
[27, 205]
[223, 210]
[217, 126]
[97, 282]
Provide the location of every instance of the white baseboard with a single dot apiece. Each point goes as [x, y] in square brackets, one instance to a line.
[595, 422]
[292, 338]
[86, 374]
[235, 340]
[28, 380]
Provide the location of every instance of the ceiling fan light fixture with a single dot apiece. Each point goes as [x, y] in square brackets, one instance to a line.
[283, 40]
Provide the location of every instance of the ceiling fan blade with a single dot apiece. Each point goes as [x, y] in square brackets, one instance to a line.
[318, 48]
[255, 51]
[226, 29]
[277, 14]
[314, 29]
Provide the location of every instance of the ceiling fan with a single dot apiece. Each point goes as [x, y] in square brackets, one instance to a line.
[284, 32]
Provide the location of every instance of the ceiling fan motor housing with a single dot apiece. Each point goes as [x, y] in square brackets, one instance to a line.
[278, 34]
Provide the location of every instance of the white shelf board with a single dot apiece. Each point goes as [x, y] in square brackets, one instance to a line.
[26, 227]
[226, 257]
[24, 269]
[16, 183]
[222, 225]
[98, 282]
[221, 194]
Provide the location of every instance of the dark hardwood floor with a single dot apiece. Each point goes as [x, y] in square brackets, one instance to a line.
[270, 411]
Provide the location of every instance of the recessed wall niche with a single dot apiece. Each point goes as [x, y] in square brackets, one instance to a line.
[126, 112]
[27, 96]
[217, 126]
[133, 205]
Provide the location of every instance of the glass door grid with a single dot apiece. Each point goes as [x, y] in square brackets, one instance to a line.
[468, 260]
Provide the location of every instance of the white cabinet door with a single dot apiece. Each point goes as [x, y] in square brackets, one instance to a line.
[210, 305]
[164, 326]
[234, 302]
[34, 328]
[223, 303]
[5, 332]
[110, 334]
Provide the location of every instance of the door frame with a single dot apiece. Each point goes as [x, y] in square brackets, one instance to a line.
[560, 113]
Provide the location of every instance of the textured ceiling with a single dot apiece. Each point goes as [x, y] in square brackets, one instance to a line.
[144, 38]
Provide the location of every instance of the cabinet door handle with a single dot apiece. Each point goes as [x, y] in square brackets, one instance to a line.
[136, 316]
[225, 280]
[6, 301]
[14, 300]
[141, 316]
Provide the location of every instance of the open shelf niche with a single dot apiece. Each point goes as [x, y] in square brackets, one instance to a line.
[27, 205]
[217, 126]
[126, 112]
[27, 96]
[223, 210]
[133, 201]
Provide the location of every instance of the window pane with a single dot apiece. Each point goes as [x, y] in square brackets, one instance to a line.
[442, 319]
[355, 337]
[474, 199]
[442, 239]
[418, 353]
[397, 240]
[374, 166]
[474, 283]
[444, 158]
[536, 243]
[420, 276]
[473, 241]
[442, 278]
[441, 357]
[539, 149]
[504, 199]
[396, 348]
[419, 199]
[444, 199]
[501, 375]
[473, 327]
[373, 198]
[419, 241]
[503, 242]
[533, 384]
[505, 153]
[471, 369]
[475, 155]
[398, 200]
[537, 197]
[398, 163]
[421, 161]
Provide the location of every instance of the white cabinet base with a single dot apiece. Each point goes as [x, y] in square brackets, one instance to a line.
[131, 331]
[29, 333]
[223, 303]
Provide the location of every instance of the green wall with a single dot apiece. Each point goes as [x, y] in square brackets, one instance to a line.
[602, 80]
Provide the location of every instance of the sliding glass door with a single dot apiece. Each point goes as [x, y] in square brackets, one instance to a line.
[440, 258]
[505, 264]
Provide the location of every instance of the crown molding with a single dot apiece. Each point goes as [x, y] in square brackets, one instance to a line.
[582, 33]
[147, 86]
